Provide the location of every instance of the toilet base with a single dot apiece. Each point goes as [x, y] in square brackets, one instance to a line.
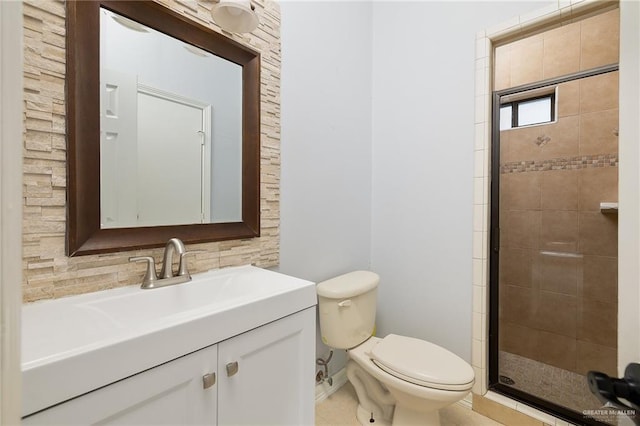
[407, 417]
[392, 400]
[401, 417]
[364, 418]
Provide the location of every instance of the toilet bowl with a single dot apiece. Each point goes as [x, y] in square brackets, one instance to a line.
[419, 379]
[399, 380]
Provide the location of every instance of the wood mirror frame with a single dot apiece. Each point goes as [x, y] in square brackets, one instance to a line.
[84, 234]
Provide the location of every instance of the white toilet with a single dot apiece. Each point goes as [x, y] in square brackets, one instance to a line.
[399, 380]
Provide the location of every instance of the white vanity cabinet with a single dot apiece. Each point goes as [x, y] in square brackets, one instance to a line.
[266, 376]
[169, 394]
[262, 377]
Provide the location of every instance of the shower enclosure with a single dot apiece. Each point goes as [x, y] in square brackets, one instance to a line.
[553, 294]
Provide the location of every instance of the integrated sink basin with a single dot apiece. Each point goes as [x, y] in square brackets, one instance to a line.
[74, 344]
[209, 291]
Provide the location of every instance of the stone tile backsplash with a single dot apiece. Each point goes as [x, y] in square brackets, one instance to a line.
[47, 272]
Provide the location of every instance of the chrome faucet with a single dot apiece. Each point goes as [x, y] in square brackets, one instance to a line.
[151, 280]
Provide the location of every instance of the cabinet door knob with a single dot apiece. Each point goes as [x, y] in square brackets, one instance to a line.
[208, 380]
[232, 368]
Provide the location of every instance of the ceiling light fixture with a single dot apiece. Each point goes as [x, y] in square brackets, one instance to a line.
[236, 16]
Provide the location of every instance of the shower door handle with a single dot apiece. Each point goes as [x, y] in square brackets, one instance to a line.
[495, 240]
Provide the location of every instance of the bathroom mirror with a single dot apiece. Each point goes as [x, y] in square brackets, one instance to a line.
[163, 129]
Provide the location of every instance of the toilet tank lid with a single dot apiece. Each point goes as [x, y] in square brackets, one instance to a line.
[348, 285]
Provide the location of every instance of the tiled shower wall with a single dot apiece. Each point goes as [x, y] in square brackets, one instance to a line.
[558, 257]
[47, 272]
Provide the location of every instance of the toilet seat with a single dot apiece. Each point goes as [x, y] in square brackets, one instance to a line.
[422, 363]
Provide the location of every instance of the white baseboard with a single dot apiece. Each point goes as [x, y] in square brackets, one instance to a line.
[323, 390]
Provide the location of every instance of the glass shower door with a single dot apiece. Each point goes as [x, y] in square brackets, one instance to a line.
[556, 241]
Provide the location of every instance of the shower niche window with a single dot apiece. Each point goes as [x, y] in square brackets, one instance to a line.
[554, 252]
[527, 111]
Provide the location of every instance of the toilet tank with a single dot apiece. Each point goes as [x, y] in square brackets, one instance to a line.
[347, 307]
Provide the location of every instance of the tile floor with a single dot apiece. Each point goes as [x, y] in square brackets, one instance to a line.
[339, 409]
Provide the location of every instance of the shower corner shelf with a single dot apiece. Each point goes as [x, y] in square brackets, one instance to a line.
[609, 208]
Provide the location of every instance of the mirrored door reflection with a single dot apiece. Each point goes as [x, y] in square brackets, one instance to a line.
[171, 129]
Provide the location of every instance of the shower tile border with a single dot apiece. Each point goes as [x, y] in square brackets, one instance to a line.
[567, 163]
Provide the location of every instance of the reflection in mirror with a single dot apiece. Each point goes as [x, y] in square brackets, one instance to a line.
[127, 187]
[171, 129]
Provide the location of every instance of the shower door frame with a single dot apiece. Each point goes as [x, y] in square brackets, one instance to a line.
[494, 245]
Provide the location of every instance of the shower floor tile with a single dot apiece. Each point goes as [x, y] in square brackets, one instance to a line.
[548, 382]
[339, 409]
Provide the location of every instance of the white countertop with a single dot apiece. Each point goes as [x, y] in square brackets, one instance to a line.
[73, 345]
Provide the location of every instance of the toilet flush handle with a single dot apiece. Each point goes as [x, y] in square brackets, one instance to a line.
[345, 303]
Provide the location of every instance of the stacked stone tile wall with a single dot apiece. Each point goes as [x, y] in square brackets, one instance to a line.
[47, 272]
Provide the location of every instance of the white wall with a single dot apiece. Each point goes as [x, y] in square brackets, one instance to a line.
[423, 142]
[412, 65]
[419, 124]
[326, 140]
[11, 132]
[629, 181]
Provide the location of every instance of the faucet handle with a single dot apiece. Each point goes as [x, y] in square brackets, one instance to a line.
[182, 268]
[150, 276]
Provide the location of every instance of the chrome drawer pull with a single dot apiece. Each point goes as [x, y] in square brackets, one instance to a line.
[232, 368]
[208, 380]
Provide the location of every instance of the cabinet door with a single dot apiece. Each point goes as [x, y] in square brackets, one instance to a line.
[266, 376]
[170, 394]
